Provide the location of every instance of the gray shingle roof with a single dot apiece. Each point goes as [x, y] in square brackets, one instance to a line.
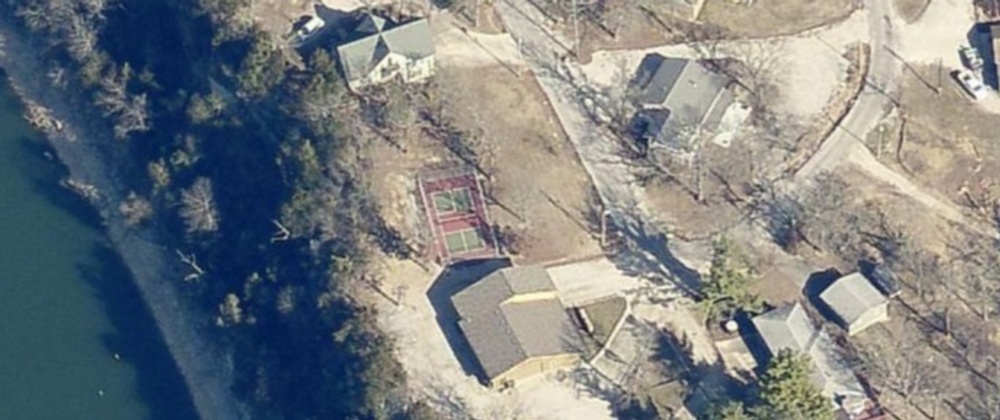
[695, 97]
[789, 328]
[852, 296]
[503, 333]
[412, 40]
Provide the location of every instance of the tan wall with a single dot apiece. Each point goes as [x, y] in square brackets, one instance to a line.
[871, 317]
[535, 366]
[530, 297]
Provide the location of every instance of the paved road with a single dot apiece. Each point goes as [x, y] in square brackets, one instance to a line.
[877, 98]
[563, 84]
[881, 93]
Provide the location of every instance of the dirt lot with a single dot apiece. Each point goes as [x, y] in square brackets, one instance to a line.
[768, 18]
[538, 177]
[675, 202]
[542, 191]
[911, 10]
[950, 142]
[643, 30]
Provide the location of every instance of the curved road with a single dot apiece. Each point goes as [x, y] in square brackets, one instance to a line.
[879, 96]
[658, 254]
[876, 99]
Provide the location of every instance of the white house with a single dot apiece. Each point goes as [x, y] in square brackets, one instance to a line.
[856, 303]
[789, 328]
[385, 51]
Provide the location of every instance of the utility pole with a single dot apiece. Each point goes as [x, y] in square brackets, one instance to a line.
[576, 31]
[476, 11]
[939, 70]
[881, 139]
[604, 227]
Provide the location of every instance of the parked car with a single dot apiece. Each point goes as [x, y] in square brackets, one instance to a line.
[309, 28]
[972, 84]
[971, 57]
[885, 282]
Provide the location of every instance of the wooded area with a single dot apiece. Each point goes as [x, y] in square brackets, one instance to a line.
[243, 167]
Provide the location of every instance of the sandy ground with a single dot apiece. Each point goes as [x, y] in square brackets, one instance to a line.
[471, 49]
[808, 67]
[205, 370]
[436, 376]
[938, 33]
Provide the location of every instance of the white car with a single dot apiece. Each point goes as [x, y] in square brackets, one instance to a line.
[971, 57]
[972, 84]
[310, 28]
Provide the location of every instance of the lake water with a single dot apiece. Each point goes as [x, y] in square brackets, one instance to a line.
[66, 303]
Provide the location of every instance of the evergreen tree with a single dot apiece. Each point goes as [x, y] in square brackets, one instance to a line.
[730, 410]
[787, 391]
[728, 287]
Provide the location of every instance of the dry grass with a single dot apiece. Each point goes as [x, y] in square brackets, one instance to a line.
[911, 10]
[544, 191]
[950, 143]
[675, 202]
[277, 16]
[604, 315]
[768, 18]
[642, 31]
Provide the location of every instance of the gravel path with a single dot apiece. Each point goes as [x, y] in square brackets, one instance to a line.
[207, 373]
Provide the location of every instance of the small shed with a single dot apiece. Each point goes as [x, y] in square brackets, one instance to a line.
[856, 303]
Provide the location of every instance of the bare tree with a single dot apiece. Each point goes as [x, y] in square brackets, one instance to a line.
[198, 207]
[984, 404]
[135, 209]
[758, 62]
[130, 112]
[903, 364]
[230, 312]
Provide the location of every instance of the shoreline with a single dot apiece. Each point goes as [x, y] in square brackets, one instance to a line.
[207, 373]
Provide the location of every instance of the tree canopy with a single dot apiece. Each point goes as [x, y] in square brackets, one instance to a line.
[787, 391]
[727, 289]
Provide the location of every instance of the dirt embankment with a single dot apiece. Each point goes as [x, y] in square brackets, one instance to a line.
[78, 143]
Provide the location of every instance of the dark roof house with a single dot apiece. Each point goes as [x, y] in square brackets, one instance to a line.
[679, 99]
[513, 316]
[790, 328]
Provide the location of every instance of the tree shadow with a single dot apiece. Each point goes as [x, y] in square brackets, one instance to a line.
[37, 160]
[815, 285]
[453, 279]
[707, 383]
[647, 255]
[136, 337]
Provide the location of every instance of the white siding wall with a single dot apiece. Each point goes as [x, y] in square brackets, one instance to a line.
[396, 64]
[871, 317]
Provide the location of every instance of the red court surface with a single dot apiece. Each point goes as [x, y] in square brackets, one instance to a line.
[456, 214]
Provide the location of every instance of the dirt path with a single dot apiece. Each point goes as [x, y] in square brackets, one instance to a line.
[207, 373]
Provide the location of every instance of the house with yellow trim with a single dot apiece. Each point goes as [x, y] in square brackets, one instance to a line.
[517, 326]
